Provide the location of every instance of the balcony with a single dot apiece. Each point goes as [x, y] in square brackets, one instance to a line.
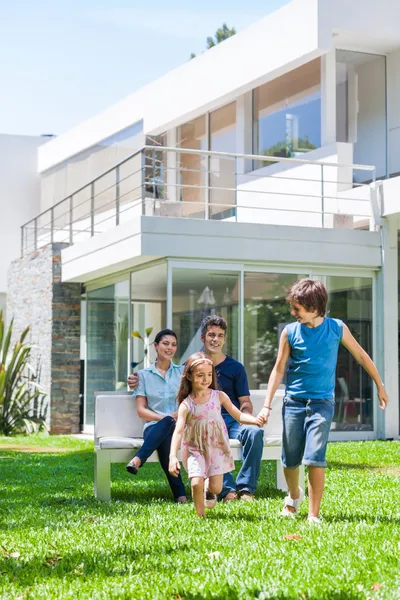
[211, 186]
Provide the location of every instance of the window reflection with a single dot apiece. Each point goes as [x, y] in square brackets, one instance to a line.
[198, 293]
[223, 170]
[350, 299]
[287, 113]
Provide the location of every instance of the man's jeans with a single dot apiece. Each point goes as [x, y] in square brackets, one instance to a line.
[158, 437]
[252, 440]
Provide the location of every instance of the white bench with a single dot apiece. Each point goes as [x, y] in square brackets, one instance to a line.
[118, 435]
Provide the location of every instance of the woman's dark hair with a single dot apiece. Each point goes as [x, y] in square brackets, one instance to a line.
[163, 333]
[186, 382]
[309, 293]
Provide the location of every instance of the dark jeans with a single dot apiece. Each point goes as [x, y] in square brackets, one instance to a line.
[252, 440]
[158, 437]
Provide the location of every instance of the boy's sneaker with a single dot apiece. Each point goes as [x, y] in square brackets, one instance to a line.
[293, 503]
[315, 520]
[210, 499]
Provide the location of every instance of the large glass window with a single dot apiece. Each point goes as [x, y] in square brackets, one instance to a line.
[193, 168]
[223, 170]
[107, 338]
[198, 293]
[350, 299]
[265, 315]
[148, 311]
[64, 179]
[287, 113]
[361, 108]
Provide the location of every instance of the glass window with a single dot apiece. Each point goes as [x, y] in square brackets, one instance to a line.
[361, 109]
[64, 179]
[193, 168]
[198, 293]
[265, 315]
[350, 299]
[148, 310]
[223, 170]
[287, 113]
[107, 337]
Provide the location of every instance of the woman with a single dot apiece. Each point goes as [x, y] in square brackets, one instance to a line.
[156, 403]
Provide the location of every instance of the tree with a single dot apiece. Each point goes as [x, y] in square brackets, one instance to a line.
[221, 34]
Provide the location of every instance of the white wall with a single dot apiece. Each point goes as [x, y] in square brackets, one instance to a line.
[147, 238]
[393, 99]
[19, 194]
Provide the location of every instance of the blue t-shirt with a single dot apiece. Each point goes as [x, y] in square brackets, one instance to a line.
[313, 357]
[232, 379]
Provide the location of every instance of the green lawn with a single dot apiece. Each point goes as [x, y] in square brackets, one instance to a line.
[58, 542]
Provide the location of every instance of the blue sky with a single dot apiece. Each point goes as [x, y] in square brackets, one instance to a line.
[62, 61]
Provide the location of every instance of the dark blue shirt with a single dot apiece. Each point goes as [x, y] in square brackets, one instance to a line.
[232, 379]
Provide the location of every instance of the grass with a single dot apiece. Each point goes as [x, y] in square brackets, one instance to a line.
[58, 542]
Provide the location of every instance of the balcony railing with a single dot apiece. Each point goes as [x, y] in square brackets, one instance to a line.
[187, 183]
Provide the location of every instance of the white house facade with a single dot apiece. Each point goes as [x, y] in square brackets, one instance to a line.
[273, 156]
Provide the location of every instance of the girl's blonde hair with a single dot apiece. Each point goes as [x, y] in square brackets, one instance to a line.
[186, 382]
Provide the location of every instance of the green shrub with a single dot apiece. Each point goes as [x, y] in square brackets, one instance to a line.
[22, 401]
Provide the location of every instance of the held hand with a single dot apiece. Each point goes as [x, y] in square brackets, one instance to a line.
[383, 397]
[133, 381]
[174, 415]
[174, 466]
[259, 421]
[264, 414]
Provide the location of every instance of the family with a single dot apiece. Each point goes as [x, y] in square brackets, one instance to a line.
[206, 402]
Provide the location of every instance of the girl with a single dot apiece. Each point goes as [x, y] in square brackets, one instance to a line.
[206, 452]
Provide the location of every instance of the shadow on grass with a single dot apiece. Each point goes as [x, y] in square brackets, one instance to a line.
[340, 466]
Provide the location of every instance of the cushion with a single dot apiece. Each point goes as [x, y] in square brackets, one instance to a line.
[122, 443]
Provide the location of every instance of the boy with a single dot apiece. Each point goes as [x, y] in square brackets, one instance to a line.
[312, 345]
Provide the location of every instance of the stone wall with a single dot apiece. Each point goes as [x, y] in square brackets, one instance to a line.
[38, 298]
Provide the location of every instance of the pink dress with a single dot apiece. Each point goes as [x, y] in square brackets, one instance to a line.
[205, 448]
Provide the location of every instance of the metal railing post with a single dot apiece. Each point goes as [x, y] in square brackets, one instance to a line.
[143, 169]
[117, 197]
[71, 233]
[92, 209]
[153, 173]
[22, 240]
[322, 198]
[35, 234]
[236, 178]
[52, 225]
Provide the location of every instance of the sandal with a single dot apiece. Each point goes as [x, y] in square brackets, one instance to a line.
[230, 496]
[293, 503]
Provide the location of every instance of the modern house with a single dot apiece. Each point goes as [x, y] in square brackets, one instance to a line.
[273, 156]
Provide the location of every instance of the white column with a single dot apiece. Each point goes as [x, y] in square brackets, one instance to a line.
[244, 129]
[328, 98]
[172, 163]
[389, 311]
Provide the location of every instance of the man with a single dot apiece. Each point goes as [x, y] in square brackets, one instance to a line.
[232, 380]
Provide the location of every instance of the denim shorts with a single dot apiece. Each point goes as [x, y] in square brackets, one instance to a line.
[306, 425]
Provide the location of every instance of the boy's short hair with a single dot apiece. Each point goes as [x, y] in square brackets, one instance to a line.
[309, 293]
[213, 321]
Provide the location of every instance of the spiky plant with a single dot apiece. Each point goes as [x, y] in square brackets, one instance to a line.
[20, 394]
